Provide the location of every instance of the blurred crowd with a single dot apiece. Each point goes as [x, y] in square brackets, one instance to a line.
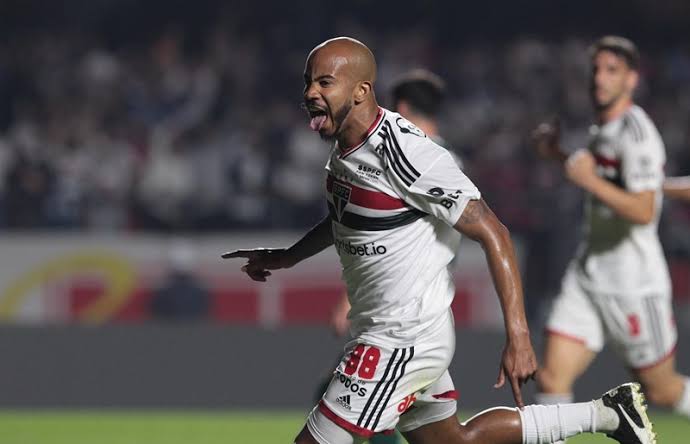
[204, 132]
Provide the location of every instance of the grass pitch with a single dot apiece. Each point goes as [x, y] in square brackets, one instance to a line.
[206, 427]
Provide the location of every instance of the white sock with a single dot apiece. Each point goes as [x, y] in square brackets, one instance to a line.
[552, 399]
[682, 407]
[542, 424]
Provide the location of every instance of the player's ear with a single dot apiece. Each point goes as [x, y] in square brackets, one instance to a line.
[632, 80]
[362, 90]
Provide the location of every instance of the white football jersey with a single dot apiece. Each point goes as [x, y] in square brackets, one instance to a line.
[393, 200]
[619, 256]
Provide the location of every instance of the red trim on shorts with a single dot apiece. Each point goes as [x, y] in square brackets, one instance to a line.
[450, 394]
[550, 331]
[666, 357]
[328, 413]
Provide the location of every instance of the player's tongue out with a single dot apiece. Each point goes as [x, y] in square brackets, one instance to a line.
[317, 122]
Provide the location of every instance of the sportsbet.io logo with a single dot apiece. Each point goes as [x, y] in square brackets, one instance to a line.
[369, 249]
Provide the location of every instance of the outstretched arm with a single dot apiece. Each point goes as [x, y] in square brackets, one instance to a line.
[677, 188]
[260, 260]
[518, 363]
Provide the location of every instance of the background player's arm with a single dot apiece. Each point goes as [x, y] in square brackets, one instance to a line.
[479, 223]
[677, 188]
[260, 260]
[637, 207]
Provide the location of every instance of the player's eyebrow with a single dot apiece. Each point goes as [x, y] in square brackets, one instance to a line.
[321, 77]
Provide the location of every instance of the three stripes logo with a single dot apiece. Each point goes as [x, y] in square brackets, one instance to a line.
[395, 156]
[344, 401]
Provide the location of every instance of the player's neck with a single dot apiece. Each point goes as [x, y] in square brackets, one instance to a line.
[614, 111]
[359, 125]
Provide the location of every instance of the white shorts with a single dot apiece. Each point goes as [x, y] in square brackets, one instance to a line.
[376, 389]
[639, 327]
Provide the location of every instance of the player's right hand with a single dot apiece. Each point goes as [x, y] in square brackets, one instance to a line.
[260, 260]
[546, 139]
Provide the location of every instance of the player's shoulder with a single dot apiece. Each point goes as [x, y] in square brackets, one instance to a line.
[405, 139]
[638, 128]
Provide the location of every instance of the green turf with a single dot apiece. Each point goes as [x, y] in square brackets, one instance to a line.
[152, 427]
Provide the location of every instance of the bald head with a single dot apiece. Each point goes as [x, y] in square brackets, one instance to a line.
[339, 89]
[349, 55]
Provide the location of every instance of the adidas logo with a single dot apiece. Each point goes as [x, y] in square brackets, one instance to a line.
[344, 401]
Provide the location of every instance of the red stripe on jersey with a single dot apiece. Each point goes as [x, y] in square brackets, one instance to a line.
[362, 197]
[604, 161]
[377, 120]
[450, 394]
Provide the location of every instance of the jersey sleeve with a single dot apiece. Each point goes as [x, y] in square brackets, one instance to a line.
[428, 179]
[642, 163]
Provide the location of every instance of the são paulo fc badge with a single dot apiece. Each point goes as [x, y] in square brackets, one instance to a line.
[341, 196]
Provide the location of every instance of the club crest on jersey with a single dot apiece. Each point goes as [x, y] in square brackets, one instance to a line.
[341, 196]
[406, 127]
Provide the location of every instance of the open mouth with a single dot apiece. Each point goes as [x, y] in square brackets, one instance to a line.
[317, 117]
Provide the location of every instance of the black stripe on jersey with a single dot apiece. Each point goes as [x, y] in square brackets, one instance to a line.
[378, 386]
[393, 159]
[397, 148]
[385, 389]
[636, 128]
[365, 223]
[395, 384]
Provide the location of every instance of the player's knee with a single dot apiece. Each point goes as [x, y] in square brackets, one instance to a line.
[658, 394]
[550, 381]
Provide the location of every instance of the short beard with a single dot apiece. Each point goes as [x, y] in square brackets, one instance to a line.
[338, 120]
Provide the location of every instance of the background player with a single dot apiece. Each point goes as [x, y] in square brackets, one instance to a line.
[617, 288]
[396, 230]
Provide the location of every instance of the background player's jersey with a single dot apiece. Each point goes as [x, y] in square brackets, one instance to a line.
[393, 200]
[619, 256]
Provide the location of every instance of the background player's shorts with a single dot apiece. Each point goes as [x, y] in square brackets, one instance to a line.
[639, 327]
[376, 388]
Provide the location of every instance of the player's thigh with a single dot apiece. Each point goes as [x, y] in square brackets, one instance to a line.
[565, 359]
[640, 328]
[436, 403]
[575, 316]
[661, 382]
[446, 430]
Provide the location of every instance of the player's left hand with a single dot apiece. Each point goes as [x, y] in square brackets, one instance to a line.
[581, 167]
[518, 365]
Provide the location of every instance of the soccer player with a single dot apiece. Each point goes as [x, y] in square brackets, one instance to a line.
[617, 288]
[398, 204]
[677, 188]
